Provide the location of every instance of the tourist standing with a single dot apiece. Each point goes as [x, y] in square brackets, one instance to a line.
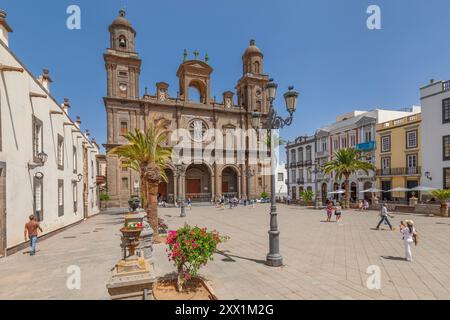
[409, 237]
[329, 211]
[338, 211]
[189, 204]
[385, 217]
[289, 200]
[31, 233]
[366, 205]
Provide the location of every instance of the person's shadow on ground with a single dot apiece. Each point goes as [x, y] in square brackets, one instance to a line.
[393, 258]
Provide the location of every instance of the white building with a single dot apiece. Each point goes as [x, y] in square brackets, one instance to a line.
[356, 129]
[435, 99]
[48, 167]
[301, 164]
[281, 190]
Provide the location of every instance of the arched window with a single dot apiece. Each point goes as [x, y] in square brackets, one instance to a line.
[197, 91]
[198, 129]
[194, 95]
[256, 67]
[122, 42]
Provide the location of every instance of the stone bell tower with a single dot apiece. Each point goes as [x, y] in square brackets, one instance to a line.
[123, 66]
[250, 88]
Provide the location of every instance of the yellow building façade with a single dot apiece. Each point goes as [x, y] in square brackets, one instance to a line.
[398, 156]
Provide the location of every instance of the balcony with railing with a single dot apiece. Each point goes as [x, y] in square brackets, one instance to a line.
[300, 163]
[366, 146]
[300, 181]
[406, 171]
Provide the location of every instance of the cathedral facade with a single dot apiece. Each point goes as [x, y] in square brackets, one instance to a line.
[127, 110]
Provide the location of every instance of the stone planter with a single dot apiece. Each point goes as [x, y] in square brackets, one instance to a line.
[196, 289]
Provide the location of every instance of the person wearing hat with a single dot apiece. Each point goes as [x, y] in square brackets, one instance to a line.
[409, 234]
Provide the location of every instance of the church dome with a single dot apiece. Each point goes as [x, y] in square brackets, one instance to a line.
[121, 20]
[252, 49]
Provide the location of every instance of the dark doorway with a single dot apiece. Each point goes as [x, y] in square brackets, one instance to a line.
[410, 184]
[324, 193]
[386, 185]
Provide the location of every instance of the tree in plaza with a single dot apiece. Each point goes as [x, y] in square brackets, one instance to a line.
[147, 154]
[443, 196]
[345, 163]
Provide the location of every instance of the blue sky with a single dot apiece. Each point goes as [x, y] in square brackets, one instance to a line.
[322, 47]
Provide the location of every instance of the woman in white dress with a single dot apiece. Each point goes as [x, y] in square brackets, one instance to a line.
[408, 232]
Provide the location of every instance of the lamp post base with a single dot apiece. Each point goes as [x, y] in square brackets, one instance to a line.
[183, 211]
[274, 260]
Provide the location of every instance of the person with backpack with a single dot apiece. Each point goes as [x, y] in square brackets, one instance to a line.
[385, 217]
[409, 237]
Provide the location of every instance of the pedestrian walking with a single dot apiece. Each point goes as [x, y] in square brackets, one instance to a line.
[338, 211]
[409, 237]
[31, 233]
[189, 204]
[329, 211]
[385, 217]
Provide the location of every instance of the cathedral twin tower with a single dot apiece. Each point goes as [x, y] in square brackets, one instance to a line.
[127, 110]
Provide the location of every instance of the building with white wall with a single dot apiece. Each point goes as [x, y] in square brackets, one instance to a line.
[301, 155]
[435, 98]
[281, 190]
[48, 166]
[356, 129]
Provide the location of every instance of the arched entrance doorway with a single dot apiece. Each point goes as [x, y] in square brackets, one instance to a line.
[230, 183]
[324, 193]
[166, 189]
[198, 183]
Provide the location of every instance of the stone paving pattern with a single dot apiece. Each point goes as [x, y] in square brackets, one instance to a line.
[322, 260]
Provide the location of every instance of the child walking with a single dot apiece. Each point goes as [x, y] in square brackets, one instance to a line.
[338, 211]
[329, 211]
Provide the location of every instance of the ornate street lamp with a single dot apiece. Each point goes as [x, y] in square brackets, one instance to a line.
[275, 122]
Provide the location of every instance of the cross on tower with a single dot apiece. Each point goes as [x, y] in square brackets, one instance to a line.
[196, 54]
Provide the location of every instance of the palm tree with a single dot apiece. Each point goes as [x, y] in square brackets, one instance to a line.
[146, 154]
[345, 163]
[443, 196]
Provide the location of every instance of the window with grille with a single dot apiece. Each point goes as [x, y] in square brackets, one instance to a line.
[446, 178]
[60, 152]
[38, 200]
[60, 198]
[123, 127]
[38, 138]
[386, 144]
[75, 160]
[411, 139]
[446, 111]
[75, 196]
[446, 148]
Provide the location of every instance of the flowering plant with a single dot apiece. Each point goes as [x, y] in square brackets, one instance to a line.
[191, 248]
[162, 226]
